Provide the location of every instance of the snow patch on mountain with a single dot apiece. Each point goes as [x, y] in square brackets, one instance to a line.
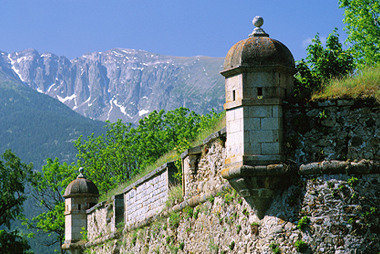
[143, 112]
[67, 98]
[14, 68]
[141, 81]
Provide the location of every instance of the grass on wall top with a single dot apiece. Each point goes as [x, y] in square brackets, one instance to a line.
[365, 84]
[170, 156]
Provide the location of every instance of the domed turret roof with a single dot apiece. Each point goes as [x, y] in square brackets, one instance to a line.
[81, 187]
[258, 51]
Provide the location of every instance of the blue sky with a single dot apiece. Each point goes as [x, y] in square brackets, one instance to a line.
[169, 27]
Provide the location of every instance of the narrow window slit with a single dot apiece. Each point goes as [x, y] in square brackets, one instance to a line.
[259, 93]
[233, 95]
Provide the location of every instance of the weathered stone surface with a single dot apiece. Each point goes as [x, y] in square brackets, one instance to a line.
[342, 211]
[221, 221]
[330, 130]
[341, 198]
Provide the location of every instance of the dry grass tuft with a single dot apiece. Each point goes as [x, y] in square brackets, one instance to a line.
[363, 85]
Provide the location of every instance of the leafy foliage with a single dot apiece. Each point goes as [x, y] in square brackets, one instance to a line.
[14, 176]
[48, 187]
[303, 223]
[13, 243]
[124, 151]
[362, 19]
[301, 246]
[113, 158]
[322, 64]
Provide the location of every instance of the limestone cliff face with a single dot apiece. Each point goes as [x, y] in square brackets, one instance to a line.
[121, 83]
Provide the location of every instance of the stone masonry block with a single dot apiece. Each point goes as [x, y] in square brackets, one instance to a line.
[261, 111]
[277, 111]
[234, 150]
[273, 123]
[261, 136]
[239, 112]
[235, 126]
[252, 124]
[271, 148]
[230, 115]
[258, 79]
[277, 136]
[234, 139]
[252, 148]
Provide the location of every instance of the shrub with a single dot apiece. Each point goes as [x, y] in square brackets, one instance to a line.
[195, 214]
[274, 247]
[301, 246]
[188, 211]
[303, 222]
[353, 181]
[174, 219]
[238, 229]
[232, 245]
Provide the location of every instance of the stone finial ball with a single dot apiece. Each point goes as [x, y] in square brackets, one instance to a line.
[258, 21]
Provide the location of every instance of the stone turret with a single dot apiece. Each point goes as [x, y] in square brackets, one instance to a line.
[80, 195]
[258, 75]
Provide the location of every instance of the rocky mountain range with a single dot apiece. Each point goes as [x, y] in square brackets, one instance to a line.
[120, 83]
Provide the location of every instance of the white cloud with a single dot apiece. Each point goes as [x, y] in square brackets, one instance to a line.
[309, 40]
[306, 42]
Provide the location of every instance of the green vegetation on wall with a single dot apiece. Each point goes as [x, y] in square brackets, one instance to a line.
[321, 65]
[124, 151]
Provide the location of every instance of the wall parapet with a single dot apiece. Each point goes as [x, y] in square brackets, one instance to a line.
[103, 218]
[148, 195]
[287, 208]
[340, 167]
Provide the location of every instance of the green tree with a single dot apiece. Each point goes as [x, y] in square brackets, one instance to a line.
[322, 64]
[48, 187]
[14, 176]
[111, 158]
[362, 19]
[13, 243]
[123, 151]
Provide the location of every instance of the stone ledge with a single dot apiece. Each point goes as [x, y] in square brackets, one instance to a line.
[252, 102]
[340, 167]
[73, 246]
[198, 149]
[191, 151]
[245, 170]
[150, 175]
[215, 135]
[97, 206]
[355, 103]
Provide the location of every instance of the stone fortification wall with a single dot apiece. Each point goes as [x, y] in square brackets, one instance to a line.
[201, 165]
[103, 218]
[147, 196]
[330, 206]
[332, 130]
[317, 213]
